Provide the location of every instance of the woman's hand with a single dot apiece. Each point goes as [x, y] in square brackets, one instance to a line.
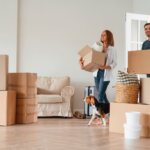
[101, 67]
[81, 62]
[104, 67]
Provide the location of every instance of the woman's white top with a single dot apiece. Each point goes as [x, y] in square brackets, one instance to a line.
[111, 61]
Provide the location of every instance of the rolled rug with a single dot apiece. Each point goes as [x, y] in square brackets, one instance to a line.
[78, 115]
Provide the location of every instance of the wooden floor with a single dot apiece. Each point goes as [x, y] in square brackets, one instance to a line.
[65, 134]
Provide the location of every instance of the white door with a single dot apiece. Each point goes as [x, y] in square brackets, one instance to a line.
[135, 34]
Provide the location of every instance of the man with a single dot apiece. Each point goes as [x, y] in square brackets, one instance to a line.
[146, 44]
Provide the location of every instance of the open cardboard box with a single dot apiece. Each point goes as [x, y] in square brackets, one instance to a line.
[92, 58]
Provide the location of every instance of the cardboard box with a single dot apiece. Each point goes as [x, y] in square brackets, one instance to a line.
[26, 110]
[26, 106]
[22, 79]
[26, 118]
[145, 93]
[3, 72]
[118, 119]
[24, 91]
[7, 107]
[139, 62]
[92, 58]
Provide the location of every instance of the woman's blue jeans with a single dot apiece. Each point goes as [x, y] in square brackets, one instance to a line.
[101, 87]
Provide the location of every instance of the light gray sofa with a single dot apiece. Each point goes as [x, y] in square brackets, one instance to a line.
[54, 96]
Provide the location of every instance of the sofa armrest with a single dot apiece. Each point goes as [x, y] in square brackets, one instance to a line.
[67, 91]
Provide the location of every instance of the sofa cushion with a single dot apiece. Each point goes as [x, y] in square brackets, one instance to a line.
[52, 85]
[46, 99]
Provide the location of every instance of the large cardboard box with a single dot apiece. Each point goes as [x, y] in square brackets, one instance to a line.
[22, 79]
[24, 91]
[7, 107]
[3, 72]
[26, 111]
[118, 119]
[26, 106]
[23, 83]
[139, 62]
[92, 58]
[145, 92]
[26, 118]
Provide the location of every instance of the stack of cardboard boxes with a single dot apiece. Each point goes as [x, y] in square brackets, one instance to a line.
[7, 97]
[26, 104]
[18, 91]
[138, 63]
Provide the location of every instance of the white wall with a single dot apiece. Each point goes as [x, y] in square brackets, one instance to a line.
[8, 31]
[141, 7]
[51, 32]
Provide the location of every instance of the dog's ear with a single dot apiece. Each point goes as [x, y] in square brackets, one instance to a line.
[96, 102]
[93, 100]
[88, 99]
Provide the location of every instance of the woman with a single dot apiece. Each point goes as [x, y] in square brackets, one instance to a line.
[103, 75]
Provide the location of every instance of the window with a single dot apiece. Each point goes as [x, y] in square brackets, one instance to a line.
[135, 34]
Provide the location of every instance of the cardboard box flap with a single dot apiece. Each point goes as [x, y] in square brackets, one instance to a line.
[85, 50]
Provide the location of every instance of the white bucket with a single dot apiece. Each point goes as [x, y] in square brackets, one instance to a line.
[133, 118]
[131, 127]
[131, 132]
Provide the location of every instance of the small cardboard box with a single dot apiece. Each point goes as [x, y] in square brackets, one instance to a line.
[145, 93]
[26, 111]
[3, 72]
[24, 91]
[92, 58]
[7, 107]
[139, 62]
[22, 79]
[118, 119]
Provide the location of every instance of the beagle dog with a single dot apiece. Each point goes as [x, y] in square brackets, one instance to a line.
[98, 109]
